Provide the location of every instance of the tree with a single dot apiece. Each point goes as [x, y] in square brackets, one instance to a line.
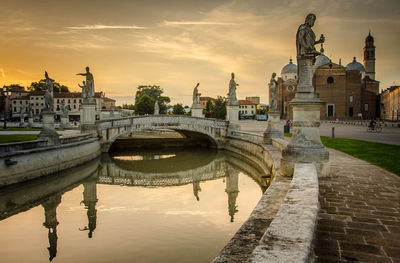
[178, 109]
[155, 93]
[144, 105]
[41, 85]
[219, 108]
[128, 106]
[209, 109]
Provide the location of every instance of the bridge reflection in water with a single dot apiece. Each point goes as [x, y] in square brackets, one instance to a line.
[139, 169]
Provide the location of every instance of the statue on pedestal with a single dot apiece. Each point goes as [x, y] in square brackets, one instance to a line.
[64, 109]
[232, 100]
[196, 95]
[156, 108]
[305, 38]
[272, 93]
[29, 110]
[48, 96]
[88, 87]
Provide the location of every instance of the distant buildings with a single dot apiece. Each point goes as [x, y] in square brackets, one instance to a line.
[203, 101]
[16, 99]
[247, 107]
[348, 92]
[255, 99]
[390, 103]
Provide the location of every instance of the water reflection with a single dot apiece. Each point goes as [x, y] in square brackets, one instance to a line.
[140, 169]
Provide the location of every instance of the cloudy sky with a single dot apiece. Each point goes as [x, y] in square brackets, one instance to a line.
[177, 43]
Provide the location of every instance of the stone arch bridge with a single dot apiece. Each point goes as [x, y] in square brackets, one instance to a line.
[213, 130]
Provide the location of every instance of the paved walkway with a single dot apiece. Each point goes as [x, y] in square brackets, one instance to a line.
[359, 217]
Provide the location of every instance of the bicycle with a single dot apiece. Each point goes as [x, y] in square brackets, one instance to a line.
[376, 128]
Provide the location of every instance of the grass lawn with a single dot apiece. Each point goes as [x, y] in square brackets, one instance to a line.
[382, 155]
[6, 138]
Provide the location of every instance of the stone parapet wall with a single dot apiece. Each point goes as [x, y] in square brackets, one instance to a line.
[290, 234]
[23, 165]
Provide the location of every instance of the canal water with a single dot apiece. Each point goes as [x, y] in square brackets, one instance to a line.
[148, 206]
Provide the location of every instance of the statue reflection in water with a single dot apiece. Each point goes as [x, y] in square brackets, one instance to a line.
[232, 189]
[196, 189]
[50, 213]
[90, 201]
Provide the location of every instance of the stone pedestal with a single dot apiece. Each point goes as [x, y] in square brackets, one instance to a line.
[48, 132]
[197, 111]
[30, 122]
[64, 121]
[305, 145]
[88, 117]
[274, 129]
[21, 122]
[232, 115]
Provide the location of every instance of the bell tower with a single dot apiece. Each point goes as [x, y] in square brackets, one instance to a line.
[369, 57]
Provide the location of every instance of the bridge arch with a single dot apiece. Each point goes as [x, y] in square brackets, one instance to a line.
[211, 129]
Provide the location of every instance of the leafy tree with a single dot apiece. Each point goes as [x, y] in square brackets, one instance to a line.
[41, 85]
[128, 106]
[155, 92]
[178, 109]
[219, 108]
[145, 105]
[209, 109]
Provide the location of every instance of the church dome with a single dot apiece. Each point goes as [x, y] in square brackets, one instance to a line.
[321, 60]
[289, 68]
[355, 66]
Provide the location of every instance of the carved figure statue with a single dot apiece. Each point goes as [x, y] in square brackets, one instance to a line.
[64, 109]
[88, 87]
[232, 91]
[48, 96]
[85, 91]
[156, 108]
[196, 95]
[272, 93]
[305, 38]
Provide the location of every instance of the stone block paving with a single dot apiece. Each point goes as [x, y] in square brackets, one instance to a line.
[359, 217]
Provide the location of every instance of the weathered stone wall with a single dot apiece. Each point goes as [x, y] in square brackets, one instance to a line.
[23, 165]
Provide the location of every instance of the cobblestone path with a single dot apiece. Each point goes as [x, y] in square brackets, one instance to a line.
[359, 218]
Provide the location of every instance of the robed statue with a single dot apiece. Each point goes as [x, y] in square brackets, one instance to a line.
[88, 86]
[272, 93]
[305, 38]
[156, 108]
[232, 100]
[48, 96]
[64, 109]
[196, 95]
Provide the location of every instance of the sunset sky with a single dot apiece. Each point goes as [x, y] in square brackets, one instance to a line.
[177, 43]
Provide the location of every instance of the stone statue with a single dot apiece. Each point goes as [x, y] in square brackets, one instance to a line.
[196, 95]
[272, 93]
[305, 38]
[48, 96]
[232, 100]
[64, 109]
[88, 86]
[156, 108]
[21, 116]
[29, 110]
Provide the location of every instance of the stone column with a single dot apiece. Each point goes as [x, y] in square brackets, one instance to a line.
[232, 115]
[88, 117]
[64, 121]
[30, 122]
[305, 145]
[48, 132]
[274, 129]
[197, 110]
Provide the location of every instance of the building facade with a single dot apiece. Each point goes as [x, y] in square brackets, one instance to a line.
[390, 103]
[247, 107]
[349, 92]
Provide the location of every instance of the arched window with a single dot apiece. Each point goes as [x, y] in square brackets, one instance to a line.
[330, 80]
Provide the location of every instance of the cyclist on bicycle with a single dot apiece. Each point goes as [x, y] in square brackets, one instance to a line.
[372, 124]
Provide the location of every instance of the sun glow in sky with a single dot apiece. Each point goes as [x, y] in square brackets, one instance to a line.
[177, 43]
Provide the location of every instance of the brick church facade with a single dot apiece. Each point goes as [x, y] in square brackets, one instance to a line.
[349, 92]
